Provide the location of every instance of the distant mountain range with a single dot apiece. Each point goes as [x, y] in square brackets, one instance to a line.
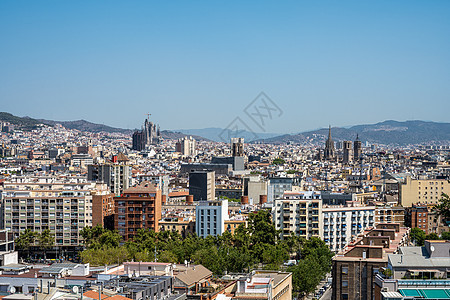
[387, 132]
[222, 135]
[27, 123]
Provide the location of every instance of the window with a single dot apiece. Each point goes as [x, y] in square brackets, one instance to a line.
[344, 297]
[344, 270]
[344, 283]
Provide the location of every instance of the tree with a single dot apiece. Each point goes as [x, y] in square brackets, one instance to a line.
[278, 161]
[25, 240]
[443, 208]
[306, 275]
[432, 237]
[445, 235]
[417, 236]
[46, 240]
[387, 272]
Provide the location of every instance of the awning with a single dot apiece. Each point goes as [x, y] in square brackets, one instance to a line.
[423, 270]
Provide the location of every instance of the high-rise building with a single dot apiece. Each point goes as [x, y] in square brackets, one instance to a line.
[186, 146]
[237, 146]
[117, 174]
[138, 207]
[202, 185]
[342, 223]
[301, 214]
[103, 210]
[347, 150]
[357, 152]
[62, 205]
[149, 135]
[330, 152]
[210, 217]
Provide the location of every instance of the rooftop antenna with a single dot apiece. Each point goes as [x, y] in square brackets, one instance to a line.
[148, 116]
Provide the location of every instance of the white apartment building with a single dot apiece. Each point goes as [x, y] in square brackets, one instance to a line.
[342, 223]
[299, 213]
[186, 146]
[210, 217]
[61, 204]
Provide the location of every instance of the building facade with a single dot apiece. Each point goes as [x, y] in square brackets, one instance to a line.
[424, 191]
[210, 217]
[138, 207]
[301, 216]
[186, 146]
[62, 205]
[342, 224]
[202, 185]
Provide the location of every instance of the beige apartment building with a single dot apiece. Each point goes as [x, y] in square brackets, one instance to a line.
[424, 191]
[301, 214]
[61, 204]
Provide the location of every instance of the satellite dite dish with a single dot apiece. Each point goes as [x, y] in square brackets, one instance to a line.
[12, 290]
[75, 289]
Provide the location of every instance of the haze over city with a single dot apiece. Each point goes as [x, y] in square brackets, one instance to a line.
[199, 64]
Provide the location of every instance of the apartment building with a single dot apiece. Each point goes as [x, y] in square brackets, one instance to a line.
[355, 269]
[61, 204]
[183, 225]
[299, 213]
[417, 216]
[390, 214]
[103, 210]
[138, 207]
[186, 146]
[210, 217]
[277, 186]
[343, 223]
[424, 191]
[116, 175]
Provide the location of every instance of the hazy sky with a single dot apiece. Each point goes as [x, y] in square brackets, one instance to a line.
[195, 64]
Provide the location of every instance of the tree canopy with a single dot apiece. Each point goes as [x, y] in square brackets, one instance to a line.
[256, 245]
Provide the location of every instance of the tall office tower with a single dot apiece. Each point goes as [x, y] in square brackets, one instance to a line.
[357, 149]
[186, 146]
[138, 207]
[149, 135]
[347, 145]
[117, 174]
[202, 185]
[329, 147]
[210, 217]
[237, 146]
[62, 205]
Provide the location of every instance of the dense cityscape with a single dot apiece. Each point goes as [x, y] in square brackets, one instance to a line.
[224, 150]
[145, 217]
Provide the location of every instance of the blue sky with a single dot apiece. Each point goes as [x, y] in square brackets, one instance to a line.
[195, 64]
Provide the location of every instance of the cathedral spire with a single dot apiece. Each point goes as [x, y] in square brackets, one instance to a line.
[329, 132]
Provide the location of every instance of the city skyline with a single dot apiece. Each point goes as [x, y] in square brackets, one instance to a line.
[198, 66]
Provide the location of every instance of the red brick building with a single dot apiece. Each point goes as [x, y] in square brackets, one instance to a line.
[103, 210]
[138, 207]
